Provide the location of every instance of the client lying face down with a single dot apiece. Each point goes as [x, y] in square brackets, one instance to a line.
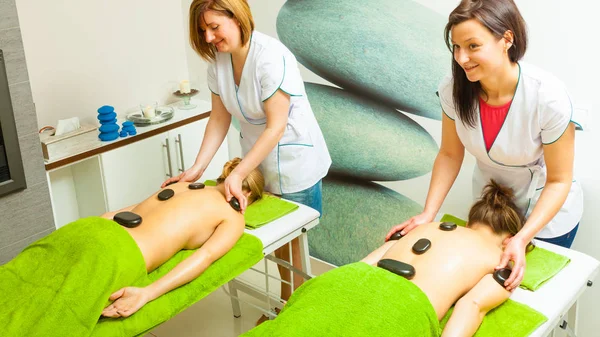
[182, 216]
[464, 258]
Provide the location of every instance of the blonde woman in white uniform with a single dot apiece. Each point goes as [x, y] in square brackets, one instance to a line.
[517, 122]
[255, 78]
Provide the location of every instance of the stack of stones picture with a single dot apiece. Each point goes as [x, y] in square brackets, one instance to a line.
[109, 129]
[388, 56]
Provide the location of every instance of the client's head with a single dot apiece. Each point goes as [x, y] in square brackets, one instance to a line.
[254, 183]
[497, 209]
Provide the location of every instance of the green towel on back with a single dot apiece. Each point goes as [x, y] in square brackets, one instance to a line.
[512, 319]
[265, 210]
[541, 263]
[354, 300]
[59, 285]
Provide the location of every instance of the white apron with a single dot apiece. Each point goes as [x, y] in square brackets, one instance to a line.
[539, 114]
[300, 158]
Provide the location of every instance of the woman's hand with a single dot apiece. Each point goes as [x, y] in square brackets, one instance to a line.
[233, 188]
[410, 224]
[192, 174]
[514, 251]
[126, 302]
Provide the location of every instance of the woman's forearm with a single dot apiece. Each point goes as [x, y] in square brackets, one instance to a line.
[215, 133]
[551, 200]
[445, 170]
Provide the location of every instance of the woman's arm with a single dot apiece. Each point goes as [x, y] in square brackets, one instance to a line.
[559, 157]
[276, 110]
[216, 130]
[129, 300]
[445, 170]
[470, 310]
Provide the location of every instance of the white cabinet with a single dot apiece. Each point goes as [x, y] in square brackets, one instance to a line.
[129, 174]
[133, 172]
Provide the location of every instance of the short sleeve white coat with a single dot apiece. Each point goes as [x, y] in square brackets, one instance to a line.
[539, 114]
[301, 157]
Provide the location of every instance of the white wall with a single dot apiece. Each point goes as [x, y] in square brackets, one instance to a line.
[85, 54]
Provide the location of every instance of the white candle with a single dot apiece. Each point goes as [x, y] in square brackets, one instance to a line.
[184, 87]
[149, 112]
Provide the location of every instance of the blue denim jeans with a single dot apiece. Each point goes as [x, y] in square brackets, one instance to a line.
[310, 197]
[563, 240]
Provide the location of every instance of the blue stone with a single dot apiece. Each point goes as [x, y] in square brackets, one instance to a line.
[105, 109]
[107, 117]
[109, 128]
[132, 133]
[123, 134]
[128, 128]
[369, 140]
[128, 123]
[390, 50]
[114, 121]
[356, 217]
[108, 136]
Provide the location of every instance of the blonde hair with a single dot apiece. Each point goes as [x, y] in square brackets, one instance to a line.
[254, 182]
[233, 9]
[497, 209]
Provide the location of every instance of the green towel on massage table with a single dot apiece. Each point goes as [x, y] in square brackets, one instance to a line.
[361, 300]
[265, 210]
[541, 264]
[59, 285]
[512, 319]
[354, 300]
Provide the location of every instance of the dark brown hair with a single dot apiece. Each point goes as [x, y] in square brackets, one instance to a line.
[254, 182]
[497, 209]
[498, 16]
[233, 9]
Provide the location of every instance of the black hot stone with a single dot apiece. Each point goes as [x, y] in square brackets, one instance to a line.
[447, 226]
[399, 268]
[166, 194]
[396, 236]
[421, 246]
[128, 219]
[196, 186]
[235, 204]
[501, 275]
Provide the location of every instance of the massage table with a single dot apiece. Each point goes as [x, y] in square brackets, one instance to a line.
[274, 235]
[558, 298]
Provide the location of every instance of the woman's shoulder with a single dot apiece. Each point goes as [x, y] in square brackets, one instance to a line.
[533, 75]
[267, 49]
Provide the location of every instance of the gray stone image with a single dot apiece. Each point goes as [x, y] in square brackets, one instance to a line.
[390, 50]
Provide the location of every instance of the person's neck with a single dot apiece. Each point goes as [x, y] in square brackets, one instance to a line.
[487, 233]
[221, 188]
[502, 83]
[240, 54]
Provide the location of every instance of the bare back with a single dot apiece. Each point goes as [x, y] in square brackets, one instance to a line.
[455, 262]
[185, 221]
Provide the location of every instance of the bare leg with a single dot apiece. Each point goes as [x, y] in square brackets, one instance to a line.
[284, 254]
[378, 253]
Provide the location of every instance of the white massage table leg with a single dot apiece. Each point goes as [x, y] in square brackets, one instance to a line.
[235, 303]
[304, 253]
[572, 317]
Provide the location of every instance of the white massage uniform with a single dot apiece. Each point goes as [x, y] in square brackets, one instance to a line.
[300, 158]
[540, 113]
